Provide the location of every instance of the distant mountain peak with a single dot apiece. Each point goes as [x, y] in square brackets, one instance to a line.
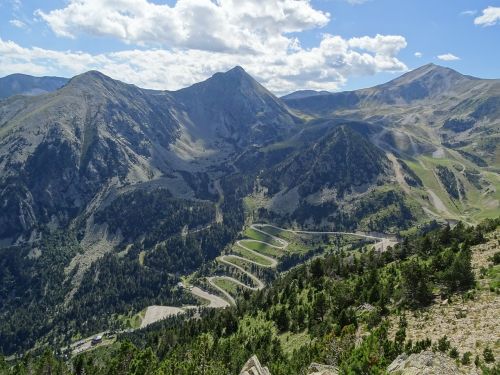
[431, 73]
[23, 84]
[300, 94]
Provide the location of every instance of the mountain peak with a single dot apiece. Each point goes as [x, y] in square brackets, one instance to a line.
[237, 70]
[236, 74]
[91, 75]
[236, 81]
[94, 81]
[429, 72]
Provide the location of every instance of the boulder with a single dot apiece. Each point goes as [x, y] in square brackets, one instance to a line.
[424, 363]
[318, 369]
[253, 367]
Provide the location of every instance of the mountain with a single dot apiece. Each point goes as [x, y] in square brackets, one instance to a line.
[427, 82]
[235, 107]
[428, 118]
[97, 134]
[22, 84]
[339, 160]
[300, 94]
[111, 194]
[99, 166]
[58, 151]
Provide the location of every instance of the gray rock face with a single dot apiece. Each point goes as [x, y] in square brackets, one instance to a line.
[424, 363]
[253, 367]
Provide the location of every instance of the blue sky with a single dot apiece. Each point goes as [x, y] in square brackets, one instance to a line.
[285, 44]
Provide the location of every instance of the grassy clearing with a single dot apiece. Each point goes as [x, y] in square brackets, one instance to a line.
[132, 321]
[255, 235]
[430, 181]
[227, 285]
[293, 341]
[251, 256]
[263, 248]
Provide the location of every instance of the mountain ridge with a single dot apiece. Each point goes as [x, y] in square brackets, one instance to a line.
[24, 84]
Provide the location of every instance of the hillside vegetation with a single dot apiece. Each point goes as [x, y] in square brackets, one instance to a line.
[349, 310]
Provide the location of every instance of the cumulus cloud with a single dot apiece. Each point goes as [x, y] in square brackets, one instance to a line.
[490, 17]
[326, 66]
[17, 23]
[418, 54]
[448, 57]
[224, 25]
[176, 45]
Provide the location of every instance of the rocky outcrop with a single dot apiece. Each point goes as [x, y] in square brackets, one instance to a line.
[253, 367]
[424, 363]
[318, 369]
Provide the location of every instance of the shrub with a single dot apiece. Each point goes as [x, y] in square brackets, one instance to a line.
[454, 353]
[488, 355]
[466, 358]
[496, 258]
[443, 344]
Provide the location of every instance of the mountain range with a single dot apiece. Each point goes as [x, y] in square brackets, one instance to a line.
[22, 84]
[121, 170]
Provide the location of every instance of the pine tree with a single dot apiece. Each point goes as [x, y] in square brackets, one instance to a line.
[416, 285]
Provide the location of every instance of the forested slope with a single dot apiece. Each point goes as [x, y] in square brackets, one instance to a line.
[335, 310]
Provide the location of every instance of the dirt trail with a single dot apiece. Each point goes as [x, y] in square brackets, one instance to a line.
[219, 218]
[438, 203]
[398, 172]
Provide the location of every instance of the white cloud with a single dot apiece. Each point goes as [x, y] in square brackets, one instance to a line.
[468, 12]
[326, 66]
[18, 23]
[448, 57]
[223, 25]
[357, 2]
[16, 4]
[418, 54]
[490, 17]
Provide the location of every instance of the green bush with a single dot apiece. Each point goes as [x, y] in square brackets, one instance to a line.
[466, 358]
[454, 353]
[443, 344]
[488, 355]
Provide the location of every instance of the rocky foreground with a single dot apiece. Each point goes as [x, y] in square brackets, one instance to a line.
[425, 363]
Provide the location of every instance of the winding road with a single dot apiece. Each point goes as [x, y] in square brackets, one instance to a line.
[156, 313]
[279, 243]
